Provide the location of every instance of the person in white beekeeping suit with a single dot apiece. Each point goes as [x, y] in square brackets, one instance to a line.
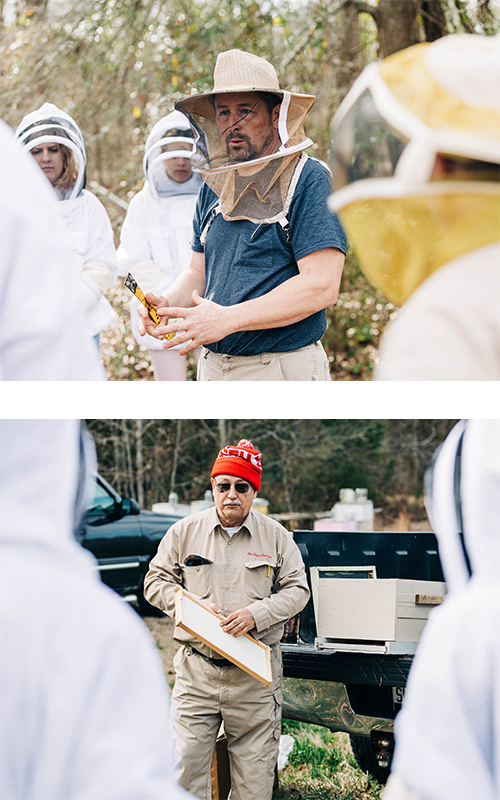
[83, 696]
[416, 167]
[56, 143]
[448, 732]
[154, 241]
[42, 323]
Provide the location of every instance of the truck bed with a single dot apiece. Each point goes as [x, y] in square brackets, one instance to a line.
[412, 556]
[304, 661]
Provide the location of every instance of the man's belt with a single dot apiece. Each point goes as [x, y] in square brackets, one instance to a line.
[216, 662]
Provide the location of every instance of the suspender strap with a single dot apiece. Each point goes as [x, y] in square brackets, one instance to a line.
[215, 210]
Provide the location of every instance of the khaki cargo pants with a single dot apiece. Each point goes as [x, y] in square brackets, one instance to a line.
[306, 364]
[203, 696]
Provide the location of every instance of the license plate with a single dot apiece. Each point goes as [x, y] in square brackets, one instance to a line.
[398, 693]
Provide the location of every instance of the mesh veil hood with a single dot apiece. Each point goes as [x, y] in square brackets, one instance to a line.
[171, 137]
[463, 502]
[414, 154]
[259, 189]
[50, 124]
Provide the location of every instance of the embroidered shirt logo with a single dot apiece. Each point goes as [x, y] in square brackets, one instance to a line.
[259, 555]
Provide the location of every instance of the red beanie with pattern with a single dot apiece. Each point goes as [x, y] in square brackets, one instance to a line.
[241, 460]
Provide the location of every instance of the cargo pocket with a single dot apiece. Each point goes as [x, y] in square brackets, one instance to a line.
[197, 579]
[277, 714]
[259, 575]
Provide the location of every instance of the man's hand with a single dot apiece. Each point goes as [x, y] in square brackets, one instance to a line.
[204, 323]
[144, 323]
[239, 622]
[213, 606]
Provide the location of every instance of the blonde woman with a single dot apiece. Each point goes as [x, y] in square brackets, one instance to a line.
[56, 143]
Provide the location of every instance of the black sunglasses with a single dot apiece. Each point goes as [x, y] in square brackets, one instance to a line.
[240, 487]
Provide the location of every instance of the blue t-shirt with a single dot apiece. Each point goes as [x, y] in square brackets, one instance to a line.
[244, 260]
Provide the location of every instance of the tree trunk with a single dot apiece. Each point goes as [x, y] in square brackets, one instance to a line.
[129, 481]
[433, 19]
[139, 460]
[222, 433]
[348, 60]
[175, 459]
[396, 21]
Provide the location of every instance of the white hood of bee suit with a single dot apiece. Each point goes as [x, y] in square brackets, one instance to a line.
[45, 481]
[80, 675]
[447, 733]
[50, 124]
[479, 493]
[170, 130]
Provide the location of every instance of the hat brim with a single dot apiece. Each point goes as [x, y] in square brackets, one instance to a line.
[202, 104]
[239, 468]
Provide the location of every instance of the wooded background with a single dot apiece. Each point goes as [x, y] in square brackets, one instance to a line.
[117, 66]
[305, 462]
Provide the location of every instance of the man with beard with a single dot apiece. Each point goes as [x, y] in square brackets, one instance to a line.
[267, 253]
[246, 566]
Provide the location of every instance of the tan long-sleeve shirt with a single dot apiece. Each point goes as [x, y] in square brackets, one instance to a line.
[259, 567]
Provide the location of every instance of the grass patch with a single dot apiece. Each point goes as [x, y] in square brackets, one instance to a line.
[321, 767]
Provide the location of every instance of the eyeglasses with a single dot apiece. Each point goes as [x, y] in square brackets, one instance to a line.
[240, 486]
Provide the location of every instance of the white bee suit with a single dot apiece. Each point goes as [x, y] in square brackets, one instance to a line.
[86, 221]
[42, 324]
[83, 697]
[448, 731]
[156, 233]
[92, 247]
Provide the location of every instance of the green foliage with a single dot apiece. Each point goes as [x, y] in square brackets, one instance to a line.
[315, 746]
[355, 324]
[321, 767]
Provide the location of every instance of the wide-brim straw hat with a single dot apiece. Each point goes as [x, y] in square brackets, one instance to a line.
[238, 71]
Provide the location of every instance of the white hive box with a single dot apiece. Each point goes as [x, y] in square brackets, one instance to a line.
[380, 609]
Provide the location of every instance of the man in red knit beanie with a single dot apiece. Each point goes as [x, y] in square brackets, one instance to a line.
[247, 567]
[243, 460]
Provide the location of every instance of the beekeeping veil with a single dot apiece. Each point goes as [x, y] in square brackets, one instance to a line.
[260, 189]
[49, 124]
[415, 159]
[451, 711]
[462, 498]
[171, 137]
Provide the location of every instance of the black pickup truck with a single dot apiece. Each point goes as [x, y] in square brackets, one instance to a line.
[359, 693]
[123, 538]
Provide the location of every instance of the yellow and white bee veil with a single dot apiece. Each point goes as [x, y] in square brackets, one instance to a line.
[415, 160]
[259, 189]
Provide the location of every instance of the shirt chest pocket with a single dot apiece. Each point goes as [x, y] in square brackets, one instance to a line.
[197, 575]
[259, 577]
[256, 247]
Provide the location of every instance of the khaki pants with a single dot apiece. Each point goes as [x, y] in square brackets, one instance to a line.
[205, 695]
[306, 364]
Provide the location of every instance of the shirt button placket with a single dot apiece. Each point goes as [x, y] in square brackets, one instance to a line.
[227, 576]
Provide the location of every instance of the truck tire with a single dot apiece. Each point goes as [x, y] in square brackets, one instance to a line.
[365, 753]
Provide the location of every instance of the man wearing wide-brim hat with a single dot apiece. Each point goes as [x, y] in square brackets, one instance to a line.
[267, 253]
